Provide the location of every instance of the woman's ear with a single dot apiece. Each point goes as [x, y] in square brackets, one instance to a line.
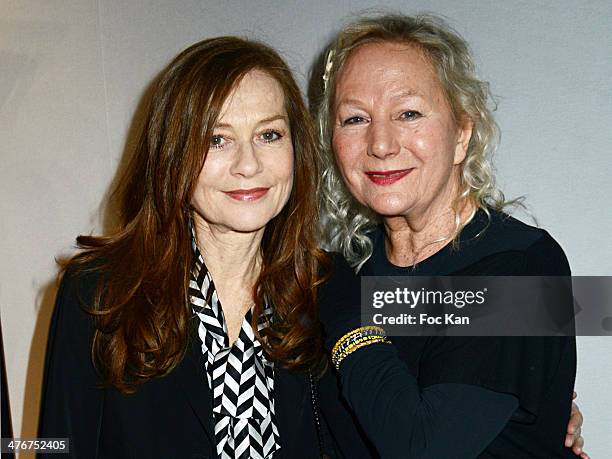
[464, 134]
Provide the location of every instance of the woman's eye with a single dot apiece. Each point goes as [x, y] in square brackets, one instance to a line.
[410, 115]
[353, 120]
[217, 141]
[271, 136]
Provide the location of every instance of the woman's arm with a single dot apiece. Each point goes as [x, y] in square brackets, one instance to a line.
[399, 417]
[546, 257]
[72, 400]
[406, 421]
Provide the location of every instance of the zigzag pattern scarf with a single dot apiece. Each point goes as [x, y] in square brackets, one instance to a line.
[239, 376]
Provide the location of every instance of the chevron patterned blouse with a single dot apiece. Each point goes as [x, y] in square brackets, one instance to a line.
[239, 376]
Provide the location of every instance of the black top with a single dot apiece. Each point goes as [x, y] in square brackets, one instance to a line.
[466, 397]
[167, 417]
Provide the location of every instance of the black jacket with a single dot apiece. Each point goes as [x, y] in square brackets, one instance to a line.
[168, 417]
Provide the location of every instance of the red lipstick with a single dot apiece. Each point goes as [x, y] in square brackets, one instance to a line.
[387, 177]
[252, 194]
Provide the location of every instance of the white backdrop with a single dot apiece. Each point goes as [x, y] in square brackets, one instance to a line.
[73, 71]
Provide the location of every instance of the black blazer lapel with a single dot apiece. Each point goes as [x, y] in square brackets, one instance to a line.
[190, 378]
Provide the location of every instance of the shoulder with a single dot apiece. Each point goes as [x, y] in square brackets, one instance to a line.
[81, 276]
[507, 232]
[80, 281]
[340, 282]
[339, 269]
[76, 294]
[517, 247]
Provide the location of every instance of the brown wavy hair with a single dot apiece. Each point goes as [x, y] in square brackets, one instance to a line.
[141, 306]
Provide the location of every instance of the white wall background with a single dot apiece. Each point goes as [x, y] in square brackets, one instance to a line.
[73, 71]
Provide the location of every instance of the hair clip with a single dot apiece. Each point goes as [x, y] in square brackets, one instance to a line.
[329, 63]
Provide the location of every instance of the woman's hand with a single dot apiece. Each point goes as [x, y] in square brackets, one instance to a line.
[573, 438]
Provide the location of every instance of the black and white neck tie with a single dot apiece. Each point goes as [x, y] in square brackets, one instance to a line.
[240, 377]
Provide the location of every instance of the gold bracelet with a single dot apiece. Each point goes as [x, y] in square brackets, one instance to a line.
[369, 329]
[356, 339]
[355, 342]
[339, 357]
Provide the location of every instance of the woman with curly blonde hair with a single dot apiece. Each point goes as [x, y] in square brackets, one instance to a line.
[408, 187]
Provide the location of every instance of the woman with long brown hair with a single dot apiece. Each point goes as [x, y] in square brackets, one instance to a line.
[191, 331]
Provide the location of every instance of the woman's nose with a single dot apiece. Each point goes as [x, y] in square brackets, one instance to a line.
[246, 162]
[383, 141]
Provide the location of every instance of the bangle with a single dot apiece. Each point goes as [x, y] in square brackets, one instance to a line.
[369, 330]
[339, 357]
[356, 339]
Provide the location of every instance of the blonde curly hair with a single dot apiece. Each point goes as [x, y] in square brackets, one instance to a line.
[345, 221]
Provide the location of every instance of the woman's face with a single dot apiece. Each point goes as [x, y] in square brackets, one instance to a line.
[248, 172]
[396, 141]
